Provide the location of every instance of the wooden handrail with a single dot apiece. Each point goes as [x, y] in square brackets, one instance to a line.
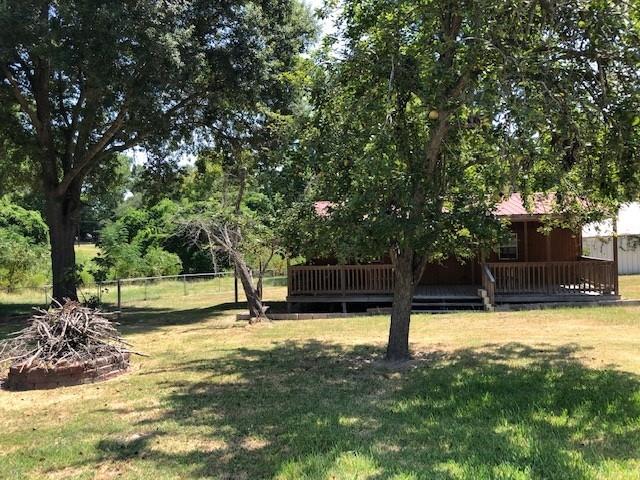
[592, 259]
[584, 277]
[341, 279]
[489, 283]
[578, 277]
[487, 272]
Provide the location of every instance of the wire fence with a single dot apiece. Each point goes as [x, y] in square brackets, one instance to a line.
[141, 292]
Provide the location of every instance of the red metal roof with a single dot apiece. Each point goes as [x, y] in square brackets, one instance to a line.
[540, 204]
[512, 206]
[322, 208]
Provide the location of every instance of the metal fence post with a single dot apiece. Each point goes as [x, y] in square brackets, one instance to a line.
[145, 289]
[119, 289]
[184, 284]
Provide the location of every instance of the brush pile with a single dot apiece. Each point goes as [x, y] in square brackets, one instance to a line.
[64, 333]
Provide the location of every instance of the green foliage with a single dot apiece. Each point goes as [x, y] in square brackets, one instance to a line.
[141, 242]
[160, 262]
[22, 261]
[23, 247]
[159, 178]
[84, 81]
[434, 109]
[25, 223]
[104, 192]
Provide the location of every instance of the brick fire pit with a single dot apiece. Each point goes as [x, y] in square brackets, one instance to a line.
[67, 374]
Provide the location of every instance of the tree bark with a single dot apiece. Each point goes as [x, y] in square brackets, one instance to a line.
[62, 214]
[254, 300]
[398, 346]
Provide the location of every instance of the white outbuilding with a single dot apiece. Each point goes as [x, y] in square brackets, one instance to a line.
[597, 239]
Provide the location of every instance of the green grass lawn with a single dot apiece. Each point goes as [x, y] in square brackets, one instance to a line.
[85, 252]
[516, 395]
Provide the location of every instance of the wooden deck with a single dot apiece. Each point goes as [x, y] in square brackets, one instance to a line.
[581, 280]
[424, 293]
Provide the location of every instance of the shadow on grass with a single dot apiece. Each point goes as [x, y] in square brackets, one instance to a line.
[314, 410]
[10, 311]
[142, 319]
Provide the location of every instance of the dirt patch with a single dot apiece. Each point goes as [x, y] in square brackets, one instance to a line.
[254, 443]
[178, 444]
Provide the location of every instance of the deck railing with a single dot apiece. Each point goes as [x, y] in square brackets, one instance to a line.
[373, 279]
[489, 283]
[586, 276]
[583, 277]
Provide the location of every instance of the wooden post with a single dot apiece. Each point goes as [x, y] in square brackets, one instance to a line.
[548, 244]
[288, 280]
[526, 241]
[615, 255]
[235, 283]
[473, 270]
[119, 290]
[262, 280]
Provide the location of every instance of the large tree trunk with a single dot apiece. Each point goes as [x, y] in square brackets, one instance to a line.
[398, 346]
[62, 215]
[254, 297]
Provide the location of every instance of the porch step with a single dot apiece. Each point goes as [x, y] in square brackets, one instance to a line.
[443, 306]
[475, 303]
[557, 298]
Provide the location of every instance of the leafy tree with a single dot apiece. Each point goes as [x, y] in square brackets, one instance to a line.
[21, 260]
[431, 109]
[23, 246]
[237, 221]
[159, 262]
[84, 80]
[132, 245]
[159, 178]
[103, 193]
[26, 223]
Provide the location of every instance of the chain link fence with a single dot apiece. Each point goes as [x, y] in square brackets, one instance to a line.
[143, 292]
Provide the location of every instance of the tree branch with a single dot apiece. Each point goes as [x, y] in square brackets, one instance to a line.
[20, 98]
[91, 156]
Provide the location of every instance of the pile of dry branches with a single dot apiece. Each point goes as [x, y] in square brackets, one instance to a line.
[69, 332]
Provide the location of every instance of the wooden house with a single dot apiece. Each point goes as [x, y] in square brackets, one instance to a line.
[530, 267]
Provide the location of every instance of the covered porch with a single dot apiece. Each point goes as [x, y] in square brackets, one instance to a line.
[584, 279]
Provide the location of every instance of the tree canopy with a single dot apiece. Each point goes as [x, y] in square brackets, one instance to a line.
[430, 111]
[85, 80]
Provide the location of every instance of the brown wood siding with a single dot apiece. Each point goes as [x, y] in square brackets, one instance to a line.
[450, 272]
[565, 246]
[537, 243]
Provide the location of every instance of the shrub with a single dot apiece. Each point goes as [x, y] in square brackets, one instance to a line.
[160, 262]
[26, 223]
[22, 262]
